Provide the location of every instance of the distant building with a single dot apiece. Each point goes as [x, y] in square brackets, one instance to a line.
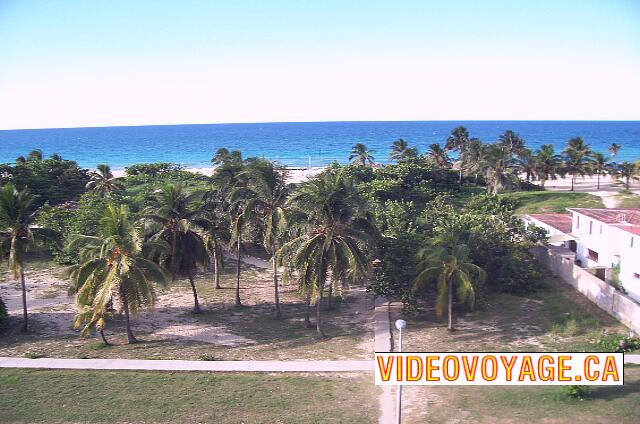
[605, 240]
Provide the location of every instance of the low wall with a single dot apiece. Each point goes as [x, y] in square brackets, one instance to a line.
[560, 262]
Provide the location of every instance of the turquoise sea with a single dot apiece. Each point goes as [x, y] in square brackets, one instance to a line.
[293, 144]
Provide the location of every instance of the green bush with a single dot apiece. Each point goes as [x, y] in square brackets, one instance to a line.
[576, 392]
[151, 169]
[617, 343]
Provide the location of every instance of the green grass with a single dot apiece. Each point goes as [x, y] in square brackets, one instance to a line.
[627, 199]
[532, 404]
[126, 396]
[551, 201]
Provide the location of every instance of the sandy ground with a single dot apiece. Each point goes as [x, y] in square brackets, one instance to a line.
[608, 189]
[52, 311]
[295, 175]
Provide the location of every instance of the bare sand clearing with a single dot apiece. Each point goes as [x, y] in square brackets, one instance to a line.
[294, 175]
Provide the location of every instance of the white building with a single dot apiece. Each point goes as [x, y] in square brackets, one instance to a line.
[602, 240]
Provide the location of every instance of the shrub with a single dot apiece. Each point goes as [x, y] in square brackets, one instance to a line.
[617, 343]
[576, 392]
[151, 169]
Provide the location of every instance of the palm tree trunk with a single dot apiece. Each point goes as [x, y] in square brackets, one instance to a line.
[450, 305]
[275, 282]
[573, 177]
[104, 339]
[460, 176]
[238, 302]
[330, 297]
[318, 316]
[626, 185]
[307, 304]
[125, 303]
[598, 180]
[196, 304]
[216, 271]
[25, 322]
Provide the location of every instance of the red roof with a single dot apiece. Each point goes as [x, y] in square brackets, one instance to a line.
[560, 221]
[625, 219]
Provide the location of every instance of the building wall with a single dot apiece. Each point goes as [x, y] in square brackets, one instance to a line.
[549, 229]
[597, 237]
[629, 262]
[560, 263]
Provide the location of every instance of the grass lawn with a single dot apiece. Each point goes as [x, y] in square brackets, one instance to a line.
[551, 201]
[128, 396]
[627, 199]
[556, 318]
[533, 404]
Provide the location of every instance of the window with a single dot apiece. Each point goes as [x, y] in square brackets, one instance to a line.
[578, 221]
[631, 245]
[590, 227]
[591, 255]
[636, 275]
[600, 228]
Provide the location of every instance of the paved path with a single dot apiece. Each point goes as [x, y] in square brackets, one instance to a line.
[178, 365]
[632, 359]
[382, 343]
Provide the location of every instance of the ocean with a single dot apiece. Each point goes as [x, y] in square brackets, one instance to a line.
[294, 144]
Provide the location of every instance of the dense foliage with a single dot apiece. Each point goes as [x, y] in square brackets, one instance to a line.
[3, 313]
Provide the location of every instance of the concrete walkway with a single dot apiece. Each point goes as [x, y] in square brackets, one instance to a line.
[179, 365]
[632, 359]
[382, 343]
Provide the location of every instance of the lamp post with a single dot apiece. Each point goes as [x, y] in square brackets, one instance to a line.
[400, 325]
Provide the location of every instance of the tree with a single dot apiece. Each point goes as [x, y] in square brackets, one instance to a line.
[577, 155]
[499, 169]
[216, 230]
[224, 156]
[511, 143]
[361, 155]
[112, 264]
[600, 165]
[548, 163]
[438, 156]
[626, 171]
[103, 183]
[17, 236]
[525, 163]
[173, 224]
[459, 141]
[472, 157]
[614, 149]
[331, 237]
[447, 264]
[400, 151]
[265, 197]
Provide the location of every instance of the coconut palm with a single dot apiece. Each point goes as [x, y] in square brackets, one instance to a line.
[223, 155]
[173, 220]
[438, 156]
[626, 171]
[459, 141]
[472, 157]
[548, 163]
[511, 142]
[34, 156]
[577, 155]
[112, 264]
[448, 265]
[331, 236]
[214, 222]
[400, 151]
[18, 236]
[525, 163]
[614, 149]
[499, 169]
[600, 165]
[103, 183]
[361, 155]
[265, 197]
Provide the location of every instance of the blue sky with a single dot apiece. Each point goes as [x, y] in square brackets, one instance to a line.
[99, 63]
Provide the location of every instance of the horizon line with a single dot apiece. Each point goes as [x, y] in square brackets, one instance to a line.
[319, 122]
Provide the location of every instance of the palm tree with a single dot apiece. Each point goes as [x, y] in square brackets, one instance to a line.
[438, 156]
[548, 163]
[223, 155]
[499, 168]
[472, 157]
[512, 143]
[216, 230]
[112, 263]
[103, 183]
[173, 225]
[34, 156]
[329, 245]
[448, 266]
[577, 156]
[17, 236]
[361, 155]
[614, 149]
[600, 165]
[459, 141]
[627, 171]
[265, 197]
[526, 164]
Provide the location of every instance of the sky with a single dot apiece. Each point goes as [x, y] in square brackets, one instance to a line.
[105, 63]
